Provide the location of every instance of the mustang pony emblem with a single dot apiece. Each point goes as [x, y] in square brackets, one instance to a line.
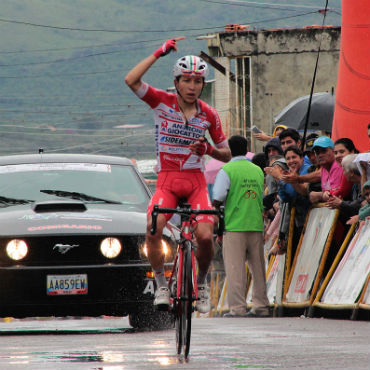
[64, 248]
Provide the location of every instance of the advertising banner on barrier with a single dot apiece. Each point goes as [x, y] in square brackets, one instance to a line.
[349, 278]
[366, 299]
[271, 273]
[271, 281]
[274, 280]
[275, 267]
[320, 222]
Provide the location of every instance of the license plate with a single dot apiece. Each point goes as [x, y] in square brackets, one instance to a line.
[66, 284]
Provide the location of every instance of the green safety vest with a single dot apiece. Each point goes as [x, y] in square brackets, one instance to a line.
[243, 206]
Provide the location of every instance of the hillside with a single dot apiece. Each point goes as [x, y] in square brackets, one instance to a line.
[62, 64]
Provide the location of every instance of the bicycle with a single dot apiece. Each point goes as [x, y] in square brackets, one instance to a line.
[183, 282]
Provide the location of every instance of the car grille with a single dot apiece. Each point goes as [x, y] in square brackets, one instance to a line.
[72, 250]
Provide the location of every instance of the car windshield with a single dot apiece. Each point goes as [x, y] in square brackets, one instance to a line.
[88, 182]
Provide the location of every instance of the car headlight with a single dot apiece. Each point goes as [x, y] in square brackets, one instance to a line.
[16, 249]
[165, 249]
[110, 247]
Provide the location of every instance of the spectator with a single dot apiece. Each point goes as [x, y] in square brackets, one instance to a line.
[262, 136]
[277, 165]
[240, 184]
[350, 207]
[273, 227]
[314, 183]
[365, 210]
[295, 161]
[272, 148]
[295, 195]
[259, 159]
[289, 137]
[310, 139]
[342, 147]
[313, 176]
[278, 129]
[271, 204]
[331, 171]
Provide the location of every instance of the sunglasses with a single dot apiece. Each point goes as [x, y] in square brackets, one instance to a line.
[319, 149]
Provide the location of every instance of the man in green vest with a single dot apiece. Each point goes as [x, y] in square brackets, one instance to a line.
[240, 184]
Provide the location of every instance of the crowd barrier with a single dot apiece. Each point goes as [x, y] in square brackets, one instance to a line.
[310, 257]
[347, 284]
[312, 280]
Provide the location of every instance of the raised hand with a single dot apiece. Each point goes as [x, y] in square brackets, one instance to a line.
[167, 47]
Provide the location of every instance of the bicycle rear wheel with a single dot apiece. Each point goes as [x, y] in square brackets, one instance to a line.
[185, 305]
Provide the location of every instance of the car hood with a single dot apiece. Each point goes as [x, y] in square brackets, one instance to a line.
[70, 218]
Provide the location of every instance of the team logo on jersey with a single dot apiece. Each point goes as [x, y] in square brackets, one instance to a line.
[175, 140]
[164, 125]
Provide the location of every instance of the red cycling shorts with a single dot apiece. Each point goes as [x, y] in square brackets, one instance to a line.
[172, 186]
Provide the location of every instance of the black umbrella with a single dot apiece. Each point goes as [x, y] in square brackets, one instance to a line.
[294, 115]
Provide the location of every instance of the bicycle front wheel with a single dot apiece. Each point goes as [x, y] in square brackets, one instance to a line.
[185, 304]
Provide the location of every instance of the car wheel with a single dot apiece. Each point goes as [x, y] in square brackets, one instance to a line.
[149, 318]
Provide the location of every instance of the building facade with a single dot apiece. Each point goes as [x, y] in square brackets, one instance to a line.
[265, 70]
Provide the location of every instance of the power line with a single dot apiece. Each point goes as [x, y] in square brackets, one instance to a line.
[69, 59]
[234, 2]
[101, 29]
[127, 106]
[118, 43]
[33, 96]
[252, 4]
[69, 74]
[88, 112]
[64, 74]
[52, 128]
[58, 134]
[121, 51]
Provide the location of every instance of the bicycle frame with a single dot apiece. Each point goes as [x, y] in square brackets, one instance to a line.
[186, 291]
[185, 235]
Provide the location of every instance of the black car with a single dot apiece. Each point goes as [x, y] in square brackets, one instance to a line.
[72, 238]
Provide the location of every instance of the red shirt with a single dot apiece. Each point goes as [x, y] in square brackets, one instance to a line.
[173, 136]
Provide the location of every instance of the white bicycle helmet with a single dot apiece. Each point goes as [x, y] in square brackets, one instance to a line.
[190, 65]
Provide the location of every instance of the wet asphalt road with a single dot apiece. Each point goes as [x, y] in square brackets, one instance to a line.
[217, 343]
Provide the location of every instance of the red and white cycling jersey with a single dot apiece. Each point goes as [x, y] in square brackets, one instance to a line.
[173, 136]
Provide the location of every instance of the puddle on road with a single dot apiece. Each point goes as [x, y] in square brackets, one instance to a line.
[110, 360]
[111, 357]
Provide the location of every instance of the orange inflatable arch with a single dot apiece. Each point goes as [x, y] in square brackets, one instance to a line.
[352, 104]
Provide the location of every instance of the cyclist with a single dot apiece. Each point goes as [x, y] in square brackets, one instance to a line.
[181, 120]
